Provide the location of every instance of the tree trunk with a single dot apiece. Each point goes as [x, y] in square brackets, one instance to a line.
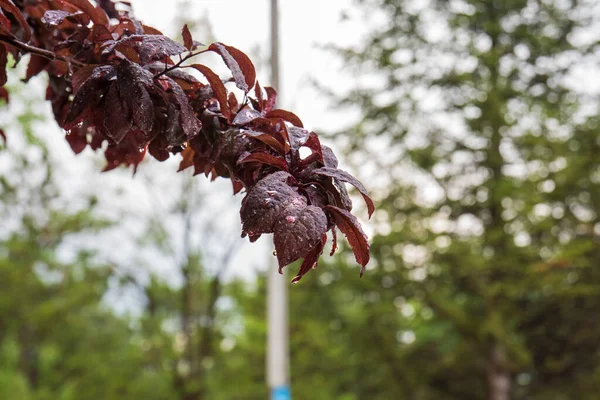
[498, 375]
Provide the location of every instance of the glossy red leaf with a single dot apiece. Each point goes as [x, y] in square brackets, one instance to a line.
[238, 63]
[116, 115]
[96, 14]
[217, 86]
[285, 115]
[351, 228]
[299, 228]
[267, 139]
[9, 6]
[232, 102]
[310, 260]
[4, 24]
[187, 159]
[264, 158]
[346, 177]
[36, 65]
[245, 116]
[89, 94]
[132, 83]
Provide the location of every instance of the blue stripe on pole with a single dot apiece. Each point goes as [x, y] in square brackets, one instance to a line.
[281, 393]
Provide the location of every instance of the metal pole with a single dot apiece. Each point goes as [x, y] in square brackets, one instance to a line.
[277, 296]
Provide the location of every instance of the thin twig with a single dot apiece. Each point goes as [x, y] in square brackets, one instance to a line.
[39, 52]
[181, 61]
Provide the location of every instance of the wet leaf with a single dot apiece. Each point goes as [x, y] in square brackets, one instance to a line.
[116, 115]
[245, 116]
[285, 115]
[310, 259]
[217, 86]
[9, 6]
[97, 14]
[264, 158]
[238, 63]
[149, 47]
[54, 17]
[266, 138]
[188, 159]
[299, 228]
[132, 83]
[263, 205]
[89, 94]
[36, 65]
[351, 228]
[346, 177]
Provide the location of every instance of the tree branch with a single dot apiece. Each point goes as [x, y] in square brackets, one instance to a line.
[38, 51]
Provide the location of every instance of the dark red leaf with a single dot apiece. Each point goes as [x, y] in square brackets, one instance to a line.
[36, 65]
[148, 30]
[259, 95]
[329, 159]
[237, 186]
[3, 94]
[334, 245]
[116, 112]
[101, 34]
[310, 260]
[285, 115]
[245, 116]
[238, 63]
[187, 119]
[271, 99]
[266, 139]
[5, 24]
[3, 62]
[346, 177]
[217, 86]
[9, 6]
[188, 159]
[188, 42]
[149, 47]
[132, 83]
[77, 139]
[264, 158]
[3, 136]
[351, 228]
[298, 229]
[97, 14]
[89, 94]
[157, 149]
[232, 102]
[263, 205]
[81, 76]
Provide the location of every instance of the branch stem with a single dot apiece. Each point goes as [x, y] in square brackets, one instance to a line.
[38, 51]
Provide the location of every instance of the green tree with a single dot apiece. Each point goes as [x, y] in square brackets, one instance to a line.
[489, 193]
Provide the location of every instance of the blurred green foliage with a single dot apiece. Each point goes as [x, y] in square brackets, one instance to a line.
[487, 289]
